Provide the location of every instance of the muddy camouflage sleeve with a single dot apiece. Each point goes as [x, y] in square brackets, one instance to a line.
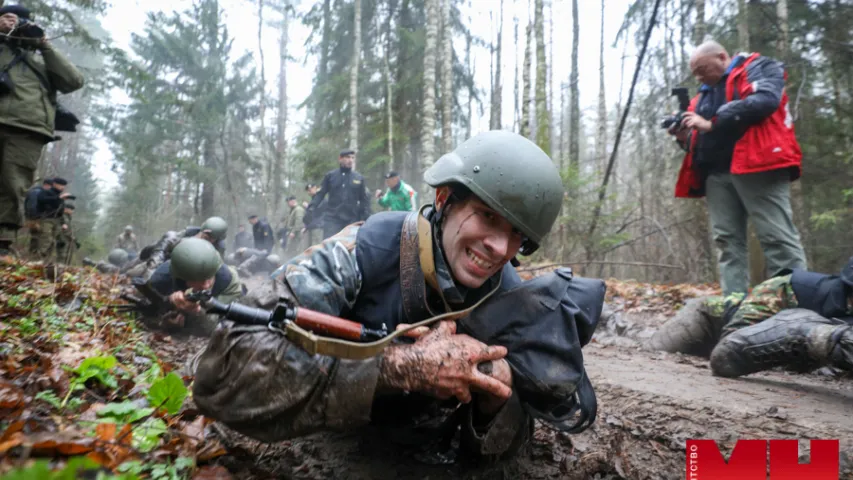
[255, 381]
[765, 300]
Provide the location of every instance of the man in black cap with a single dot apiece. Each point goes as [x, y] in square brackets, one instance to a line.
[262, 231]
[399, 197]
[32, 213]
[348, 198]
[27, 109]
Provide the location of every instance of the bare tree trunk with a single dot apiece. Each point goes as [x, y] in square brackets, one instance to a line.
[564, 126]
[552, 112]
[497, 89]
[322, 68]
[516, 113]
[269, 161]
[525, 84]
[471, 70]
[428, 120]
[543, 116]
[601, 140]
[389, 111]
[699, 28]
[446, 78]
[281, 130]
[782, 42]
[353, 78]
[575, 115]
[742, 26]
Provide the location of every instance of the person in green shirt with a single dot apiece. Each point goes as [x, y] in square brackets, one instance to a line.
[399, 197]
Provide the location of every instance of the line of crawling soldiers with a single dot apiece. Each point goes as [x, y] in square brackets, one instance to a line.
[254, 380]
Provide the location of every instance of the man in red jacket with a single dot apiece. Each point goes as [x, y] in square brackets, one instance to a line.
[742, 156]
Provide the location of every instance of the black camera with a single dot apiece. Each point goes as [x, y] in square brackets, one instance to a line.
[28, 29]
[683, 105]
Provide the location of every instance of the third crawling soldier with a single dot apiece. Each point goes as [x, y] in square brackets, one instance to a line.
[214, 230]
[127, 241]
[799, 320]
[348, 201]
[195, 264]
[116, 259]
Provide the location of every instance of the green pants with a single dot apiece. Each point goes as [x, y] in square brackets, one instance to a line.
[46, 239]
[19, 157]
[765, 198]
[65, 248]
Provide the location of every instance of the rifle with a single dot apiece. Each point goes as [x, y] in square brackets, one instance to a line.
[285, 314]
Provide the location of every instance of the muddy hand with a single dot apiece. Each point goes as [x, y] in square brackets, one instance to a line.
[443, 364]
[415, 332]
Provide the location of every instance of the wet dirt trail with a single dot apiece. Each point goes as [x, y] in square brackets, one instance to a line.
[650, 404]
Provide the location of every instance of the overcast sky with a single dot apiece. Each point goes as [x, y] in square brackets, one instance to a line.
[125, 17]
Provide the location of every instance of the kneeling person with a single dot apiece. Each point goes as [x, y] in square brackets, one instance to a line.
[196, 265]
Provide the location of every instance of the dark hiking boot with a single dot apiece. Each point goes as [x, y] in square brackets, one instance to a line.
[795, 339]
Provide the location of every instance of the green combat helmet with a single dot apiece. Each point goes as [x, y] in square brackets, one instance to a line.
[274, 259]
[218, 227]
[510, 174]
[117, 257]
[195, 260]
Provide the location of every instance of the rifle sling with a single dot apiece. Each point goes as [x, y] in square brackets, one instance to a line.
[415, 242]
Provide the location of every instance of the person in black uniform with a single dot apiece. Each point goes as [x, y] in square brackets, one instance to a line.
[262, 232]
[348, 201]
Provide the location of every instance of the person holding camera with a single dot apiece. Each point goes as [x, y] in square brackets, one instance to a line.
[741, 156]
[28, 86]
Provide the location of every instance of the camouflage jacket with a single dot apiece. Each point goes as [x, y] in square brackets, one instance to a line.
[283, 392]
[767, 299]
[127, 242]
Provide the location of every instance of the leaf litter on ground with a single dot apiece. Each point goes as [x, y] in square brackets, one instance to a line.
[83, 388]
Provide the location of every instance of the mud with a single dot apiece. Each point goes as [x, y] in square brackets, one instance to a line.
[650, 404]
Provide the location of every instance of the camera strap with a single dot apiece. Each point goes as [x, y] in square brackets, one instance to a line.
[20, 56]
[44, 81]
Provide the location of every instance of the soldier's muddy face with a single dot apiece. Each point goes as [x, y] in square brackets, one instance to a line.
[477, 241]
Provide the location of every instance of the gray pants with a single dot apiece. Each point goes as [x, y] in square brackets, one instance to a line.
[765, 198]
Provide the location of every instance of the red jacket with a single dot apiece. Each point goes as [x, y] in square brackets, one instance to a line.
[768, 143]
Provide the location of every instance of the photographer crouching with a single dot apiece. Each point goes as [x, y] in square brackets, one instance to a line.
[29, 83]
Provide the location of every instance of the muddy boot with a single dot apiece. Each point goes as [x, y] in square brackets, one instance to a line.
[694, 330]
[796, 339]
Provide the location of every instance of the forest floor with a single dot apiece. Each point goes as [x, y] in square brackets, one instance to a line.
[82, 386]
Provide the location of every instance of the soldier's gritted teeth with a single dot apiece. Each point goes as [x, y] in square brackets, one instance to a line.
[477, 242]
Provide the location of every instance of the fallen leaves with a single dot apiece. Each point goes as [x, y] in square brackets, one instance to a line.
[83, 387]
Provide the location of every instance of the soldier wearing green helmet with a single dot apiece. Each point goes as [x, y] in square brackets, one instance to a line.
[214, 230]
[194, 265]
[116, 259]
[497, 195]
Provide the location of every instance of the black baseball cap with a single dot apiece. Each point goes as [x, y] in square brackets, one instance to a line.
[60, 181]
[392, 174]
[290, 198]
[347, 151]
[19, 10]
[252, 216]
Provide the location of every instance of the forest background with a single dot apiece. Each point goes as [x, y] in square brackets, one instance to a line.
[180, 123]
